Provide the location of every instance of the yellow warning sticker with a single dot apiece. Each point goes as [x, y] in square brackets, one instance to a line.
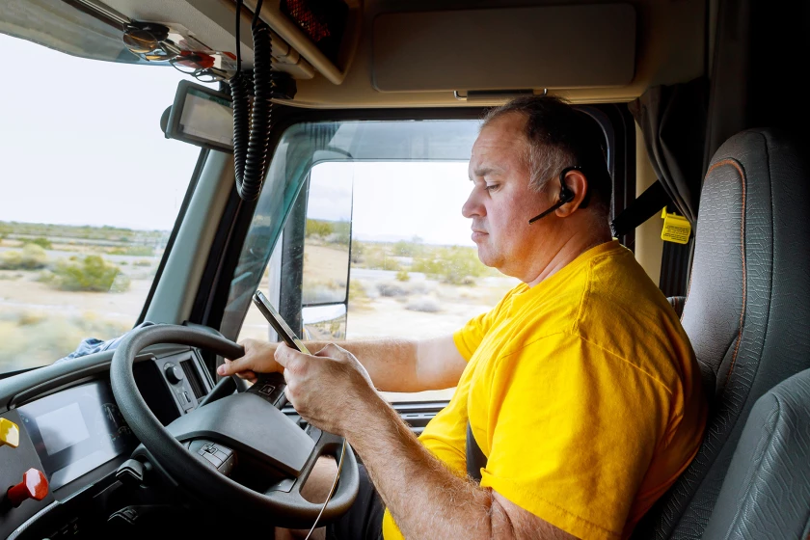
[676, 228]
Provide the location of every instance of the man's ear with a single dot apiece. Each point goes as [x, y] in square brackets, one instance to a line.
[576, 183]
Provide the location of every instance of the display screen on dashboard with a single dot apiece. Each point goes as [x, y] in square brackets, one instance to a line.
[207, 117]
[76, 430]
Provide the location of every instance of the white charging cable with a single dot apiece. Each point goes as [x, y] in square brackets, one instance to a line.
[331, 491]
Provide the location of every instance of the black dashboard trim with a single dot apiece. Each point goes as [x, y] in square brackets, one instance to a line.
[31, 385]
[20, 389]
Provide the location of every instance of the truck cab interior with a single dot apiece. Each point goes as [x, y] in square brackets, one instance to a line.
[154, 175]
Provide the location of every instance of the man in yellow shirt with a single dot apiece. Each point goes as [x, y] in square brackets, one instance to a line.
[580, 388]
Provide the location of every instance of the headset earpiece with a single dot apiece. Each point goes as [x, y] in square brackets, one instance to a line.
[566, 194]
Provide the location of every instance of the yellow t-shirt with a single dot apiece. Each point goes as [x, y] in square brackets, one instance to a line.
[583, 393]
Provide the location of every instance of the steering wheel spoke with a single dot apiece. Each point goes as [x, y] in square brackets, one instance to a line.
[288, 491]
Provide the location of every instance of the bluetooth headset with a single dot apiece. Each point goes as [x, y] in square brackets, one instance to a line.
[566, 195]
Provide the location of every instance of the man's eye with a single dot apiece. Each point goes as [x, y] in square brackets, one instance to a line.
[492, 187]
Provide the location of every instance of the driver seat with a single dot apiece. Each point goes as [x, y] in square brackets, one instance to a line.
[747, 310]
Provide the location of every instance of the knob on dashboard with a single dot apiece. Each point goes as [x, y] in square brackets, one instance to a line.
[173, 373]
[34, 485]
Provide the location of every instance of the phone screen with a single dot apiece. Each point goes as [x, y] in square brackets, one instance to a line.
[281, 327]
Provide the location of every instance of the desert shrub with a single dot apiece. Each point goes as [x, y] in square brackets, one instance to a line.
[358, 248]
[318, 291]
[379, 259]
[317, 227]
[392, 289]
[31, 257]
[454, 265]
[403, 275]
[341, 233]
[142, 262]
[44, 243]
[357, 292]
[425, 304]
[92, 274]
[11, 260]
[421, 287]
[406, 249]
[30, 318]
[135, 251]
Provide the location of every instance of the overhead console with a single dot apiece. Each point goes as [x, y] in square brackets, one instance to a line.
[504, 49]
[309, 37]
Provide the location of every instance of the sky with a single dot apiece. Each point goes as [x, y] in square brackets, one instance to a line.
[394, 201]
[80, 144]
[80, 141]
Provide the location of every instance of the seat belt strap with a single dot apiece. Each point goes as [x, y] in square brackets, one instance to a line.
[476, 460]
[643, 208]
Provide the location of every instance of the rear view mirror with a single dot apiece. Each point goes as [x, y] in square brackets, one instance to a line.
[200, 116]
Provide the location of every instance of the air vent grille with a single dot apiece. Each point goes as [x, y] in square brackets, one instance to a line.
[193, 378]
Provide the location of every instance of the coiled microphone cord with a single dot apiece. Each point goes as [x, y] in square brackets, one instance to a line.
[251, 125]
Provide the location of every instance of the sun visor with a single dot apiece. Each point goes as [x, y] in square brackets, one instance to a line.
[505, 49]
[59, 26]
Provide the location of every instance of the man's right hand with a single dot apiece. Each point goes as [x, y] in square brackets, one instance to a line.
[259, 358]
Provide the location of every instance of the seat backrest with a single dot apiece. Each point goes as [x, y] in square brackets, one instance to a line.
[766, 493]
[747, 312]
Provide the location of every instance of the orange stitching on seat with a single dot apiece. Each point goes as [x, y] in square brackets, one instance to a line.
[741, 172]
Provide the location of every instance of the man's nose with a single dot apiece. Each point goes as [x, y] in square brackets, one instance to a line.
[473, 207]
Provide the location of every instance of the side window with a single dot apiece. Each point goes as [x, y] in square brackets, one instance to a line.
[414, 270]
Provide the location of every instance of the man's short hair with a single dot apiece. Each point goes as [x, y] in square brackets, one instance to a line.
[560, 136]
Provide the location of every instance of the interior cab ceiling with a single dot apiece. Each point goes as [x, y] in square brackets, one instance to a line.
[412, 53]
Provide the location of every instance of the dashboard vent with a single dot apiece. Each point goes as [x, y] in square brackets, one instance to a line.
[193, 378]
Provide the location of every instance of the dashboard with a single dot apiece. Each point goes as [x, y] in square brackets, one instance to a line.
[76, 430]
[70, 429]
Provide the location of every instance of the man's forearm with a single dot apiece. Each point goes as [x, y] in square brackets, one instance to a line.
[425, 498]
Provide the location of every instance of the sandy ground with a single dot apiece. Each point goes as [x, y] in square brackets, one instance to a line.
[25, 294]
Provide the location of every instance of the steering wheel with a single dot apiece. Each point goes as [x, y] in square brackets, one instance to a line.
[262, 439]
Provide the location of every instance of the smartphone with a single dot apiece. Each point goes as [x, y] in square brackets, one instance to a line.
[281, 327]
[270, 386]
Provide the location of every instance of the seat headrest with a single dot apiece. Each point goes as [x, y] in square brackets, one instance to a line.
[752, 247]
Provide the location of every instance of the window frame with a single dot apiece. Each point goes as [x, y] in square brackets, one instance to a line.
[212, 294]
[192, 186]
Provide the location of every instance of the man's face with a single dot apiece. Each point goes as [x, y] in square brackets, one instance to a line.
[501, 202]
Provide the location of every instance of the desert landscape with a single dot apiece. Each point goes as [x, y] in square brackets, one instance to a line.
[400, 289]
[60, 285]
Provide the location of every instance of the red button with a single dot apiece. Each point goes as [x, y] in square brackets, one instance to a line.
[33, 486]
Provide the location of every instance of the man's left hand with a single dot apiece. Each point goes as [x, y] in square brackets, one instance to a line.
[331, 390]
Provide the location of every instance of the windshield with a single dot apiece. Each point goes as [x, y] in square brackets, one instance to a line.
[89, 192]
